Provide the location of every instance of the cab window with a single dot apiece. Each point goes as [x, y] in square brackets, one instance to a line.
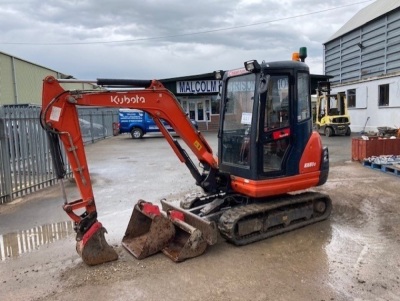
[277, 103]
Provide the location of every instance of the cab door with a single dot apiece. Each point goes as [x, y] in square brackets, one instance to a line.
[276, 135]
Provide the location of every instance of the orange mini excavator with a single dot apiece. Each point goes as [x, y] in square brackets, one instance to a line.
[257, 186]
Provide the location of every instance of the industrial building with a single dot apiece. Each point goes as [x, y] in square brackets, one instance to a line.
[21, 81]
[363, 57]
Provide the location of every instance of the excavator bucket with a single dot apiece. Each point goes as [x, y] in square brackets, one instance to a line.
[188, 241]
[93, 247]
[148, 230]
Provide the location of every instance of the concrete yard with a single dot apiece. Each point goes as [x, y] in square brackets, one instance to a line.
[354, 255]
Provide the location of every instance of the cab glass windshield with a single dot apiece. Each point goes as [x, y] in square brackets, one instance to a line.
[237, 119]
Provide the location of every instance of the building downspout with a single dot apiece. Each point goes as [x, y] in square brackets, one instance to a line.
[14, 75]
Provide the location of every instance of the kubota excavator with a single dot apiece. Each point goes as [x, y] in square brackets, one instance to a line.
[257, 187]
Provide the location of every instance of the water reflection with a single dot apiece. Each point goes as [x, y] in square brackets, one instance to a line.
[14, 244]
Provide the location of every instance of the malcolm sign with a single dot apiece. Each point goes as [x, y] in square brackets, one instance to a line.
[197, 86]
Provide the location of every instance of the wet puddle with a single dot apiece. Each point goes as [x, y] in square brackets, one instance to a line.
[14, 244]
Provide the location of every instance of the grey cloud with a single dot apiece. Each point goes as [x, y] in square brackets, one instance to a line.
[166, 38]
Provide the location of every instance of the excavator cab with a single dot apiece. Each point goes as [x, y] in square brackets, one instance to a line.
[266, 120]
[267, 145]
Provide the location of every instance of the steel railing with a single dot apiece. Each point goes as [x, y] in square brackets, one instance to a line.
[25, 161]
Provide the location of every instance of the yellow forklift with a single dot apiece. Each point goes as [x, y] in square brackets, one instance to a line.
[330, 114]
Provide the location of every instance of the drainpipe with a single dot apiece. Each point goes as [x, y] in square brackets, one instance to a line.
[14, 74]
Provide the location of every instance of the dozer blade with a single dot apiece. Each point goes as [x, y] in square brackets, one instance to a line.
[188, 241]
[148, 230]
[93, 247]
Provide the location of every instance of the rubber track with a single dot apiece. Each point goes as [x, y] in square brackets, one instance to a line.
[229, 219]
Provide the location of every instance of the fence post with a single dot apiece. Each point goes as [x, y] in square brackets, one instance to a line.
[91, 126]
[104, 124]
[5, 170]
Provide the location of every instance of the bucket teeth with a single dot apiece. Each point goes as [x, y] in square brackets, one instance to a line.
[93, 247]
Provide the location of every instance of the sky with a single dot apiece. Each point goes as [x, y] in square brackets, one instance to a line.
[158, 39]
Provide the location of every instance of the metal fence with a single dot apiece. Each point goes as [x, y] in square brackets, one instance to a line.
[25, 161]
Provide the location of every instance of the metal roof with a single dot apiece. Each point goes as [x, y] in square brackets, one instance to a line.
[20, 59]
[367, 14]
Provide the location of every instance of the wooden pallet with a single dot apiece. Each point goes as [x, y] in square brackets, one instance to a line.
[393, 169]
[372, 165]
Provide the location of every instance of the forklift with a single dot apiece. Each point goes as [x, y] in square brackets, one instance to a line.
[330, 114]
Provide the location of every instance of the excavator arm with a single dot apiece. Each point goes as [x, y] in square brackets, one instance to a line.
[59, 117]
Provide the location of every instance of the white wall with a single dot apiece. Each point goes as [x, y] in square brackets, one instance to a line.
[367, 104]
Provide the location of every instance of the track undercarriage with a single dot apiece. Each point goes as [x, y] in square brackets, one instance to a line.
[242, 220]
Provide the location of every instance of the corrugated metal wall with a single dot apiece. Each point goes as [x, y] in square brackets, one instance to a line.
[21, 81]
[370, 51]
[25, 162]
[7, 89]
[29, 81]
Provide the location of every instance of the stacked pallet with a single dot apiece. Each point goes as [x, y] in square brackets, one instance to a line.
[384, 163]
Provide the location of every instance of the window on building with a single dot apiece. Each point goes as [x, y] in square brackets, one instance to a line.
[208, 117]
[384, 95]
[351, 98]
[215, 104]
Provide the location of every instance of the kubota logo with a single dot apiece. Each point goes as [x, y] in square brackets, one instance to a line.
[127, 100]
[310, 164]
